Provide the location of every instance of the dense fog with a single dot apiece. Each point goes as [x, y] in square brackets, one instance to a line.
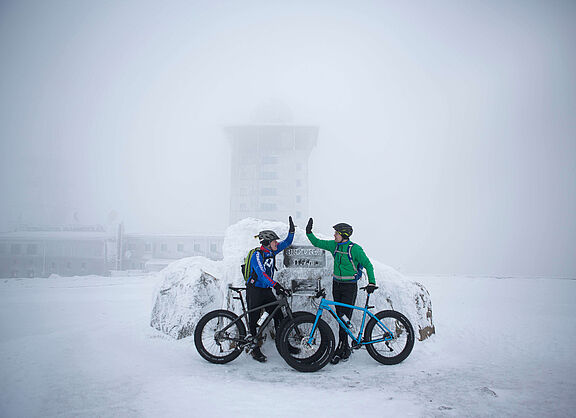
[446, 130]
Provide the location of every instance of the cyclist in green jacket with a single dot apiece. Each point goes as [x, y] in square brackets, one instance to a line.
[349, 259]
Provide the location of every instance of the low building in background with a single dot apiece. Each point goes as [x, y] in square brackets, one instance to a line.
[154, 252]
[76, 250]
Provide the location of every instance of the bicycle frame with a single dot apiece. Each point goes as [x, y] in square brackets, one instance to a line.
[279, 303]
[325, 305]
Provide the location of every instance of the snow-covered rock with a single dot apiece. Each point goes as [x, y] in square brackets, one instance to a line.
[191, 287]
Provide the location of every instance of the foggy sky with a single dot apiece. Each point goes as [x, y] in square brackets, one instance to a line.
[447, 130]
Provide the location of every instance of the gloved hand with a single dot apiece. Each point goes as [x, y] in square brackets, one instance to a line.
[280, 289]
[371, 288]
[291, 227]
[309, 226]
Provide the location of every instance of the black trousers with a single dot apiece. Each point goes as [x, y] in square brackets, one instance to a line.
[258, 296]
[344, 293]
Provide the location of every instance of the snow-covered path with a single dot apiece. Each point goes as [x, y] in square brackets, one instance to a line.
[83, 347]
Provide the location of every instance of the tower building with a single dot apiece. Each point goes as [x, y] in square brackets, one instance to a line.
[269, 173]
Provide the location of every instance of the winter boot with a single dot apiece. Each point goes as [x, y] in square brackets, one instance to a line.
[258, 355]
[337, 353]
[346, 351]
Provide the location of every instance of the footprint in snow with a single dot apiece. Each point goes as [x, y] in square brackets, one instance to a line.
[487, 391]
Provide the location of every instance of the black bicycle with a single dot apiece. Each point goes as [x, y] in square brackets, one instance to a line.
[220, 336]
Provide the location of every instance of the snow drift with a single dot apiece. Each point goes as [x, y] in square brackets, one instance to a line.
[191, 287]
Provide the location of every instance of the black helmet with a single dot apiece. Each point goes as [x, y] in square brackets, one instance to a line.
[267, 236]
[343, 229]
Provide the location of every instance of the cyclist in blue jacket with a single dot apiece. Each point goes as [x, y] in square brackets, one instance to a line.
[259, 286]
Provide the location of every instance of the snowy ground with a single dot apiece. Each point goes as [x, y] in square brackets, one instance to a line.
[83, 347]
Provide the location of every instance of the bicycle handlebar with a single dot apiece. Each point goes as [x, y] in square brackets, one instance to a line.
[285, 292]
[322, 292]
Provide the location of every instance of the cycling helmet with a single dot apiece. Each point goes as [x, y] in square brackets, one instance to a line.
[343, 229]
[267, 236]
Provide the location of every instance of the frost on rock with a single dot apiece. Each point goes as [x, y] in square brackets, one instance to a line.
[194, 286]
[189, 288]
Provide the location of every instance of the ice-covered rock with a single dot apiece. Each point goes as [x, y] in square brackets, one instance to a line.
[191, 287]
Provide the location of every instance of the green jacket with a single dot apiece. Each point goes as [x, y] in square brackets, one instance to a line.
[344, 270]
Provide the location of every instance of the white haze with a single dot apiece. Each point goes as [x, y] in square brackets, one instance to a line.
[447, 130]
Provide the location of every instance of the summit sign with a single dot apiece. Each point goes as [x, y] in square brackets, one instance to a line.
[304, 256]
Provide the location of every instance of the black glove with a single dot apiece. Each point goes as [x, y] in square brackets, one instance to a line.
[309, 226]
[371, 288]
[280, 290]
[291, 227]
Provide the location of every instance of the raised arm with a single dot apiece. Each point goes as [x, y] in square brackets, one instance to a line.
[285, 243]
[328, 245]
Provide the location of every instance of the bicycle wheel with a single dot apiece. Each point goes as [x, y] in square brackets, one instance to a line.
[285, 322]
[311, 357]
[215, 345]
[396, 349]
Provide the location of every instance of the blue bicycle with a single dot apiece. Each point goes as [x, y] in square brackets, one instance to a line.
[387, 335]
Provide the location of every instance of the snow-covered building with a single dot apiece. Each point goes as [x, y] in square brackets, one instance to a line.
[153, 252]
[269, 171]
[76, 250]
[67, 250]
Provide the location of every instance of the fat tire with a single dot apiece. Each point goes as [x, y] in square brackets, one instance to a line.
[199, 333]
[317, 360]
[285, 322]
[404, 352]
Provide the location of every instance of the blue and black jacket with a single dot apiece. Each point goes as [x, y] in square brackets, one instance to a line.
[263, 263]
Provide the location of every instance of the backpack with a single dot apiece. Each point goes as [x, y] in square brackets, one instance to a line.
[247, 266]
[359, 267]
[247, 272]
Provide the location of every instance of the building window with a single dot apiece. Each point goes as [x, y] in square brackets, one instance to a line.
[32, 249]
[247, 172]
[148, 247]
[197, 248]
[15, 249]
[298, 199]
[213, 248]
[164, 247]
[268, 206]
[269, 175]
[68, 265]
[268, 191]
[269, 159]
[298, 214]
[180, 248]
